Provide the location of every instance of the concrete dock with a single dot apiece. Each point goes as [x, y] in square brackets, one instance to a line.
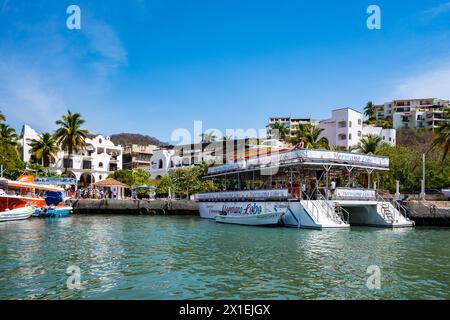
[429, 213]
[114, 206]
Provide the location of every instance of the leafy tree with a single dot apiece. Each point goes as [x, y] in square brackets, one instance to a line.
[369, 110]
[369, 144]
[208, 137]
[2, 117]
[281, 129]
[442, 137]
[8, 135]
[70, 135]
[311, 137]
[45, 149]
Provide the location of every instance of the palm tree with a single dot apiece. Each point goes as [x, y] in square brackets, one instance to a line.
[311, 137]
[369, 110]
[281, 129]
[442, 137]
[8, 135]
[338, 148]
[227, 138]
[369, 144]
[2, 117]
[70, 136]
[45, 148]
[208, 137]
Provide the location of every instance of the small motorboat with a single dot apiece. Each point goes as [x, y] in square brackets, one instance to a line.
[262, 219]
[53, 212]
[17, 214]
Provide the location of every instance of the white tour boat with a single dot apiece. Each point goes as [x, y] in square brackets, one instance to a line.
[316, 189]
[262, 219]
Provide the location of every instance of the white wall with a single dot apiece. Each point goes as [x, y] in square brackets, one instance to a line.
[100, 160]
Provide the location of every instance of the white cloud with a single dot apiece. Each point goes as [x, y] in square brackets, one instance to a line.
[104, 41]
[431, 82]
[50, 71]
[435, 11]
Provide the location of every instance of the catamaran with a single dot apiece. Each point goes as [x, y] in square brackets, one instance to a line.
[19, 199]
[317, 189]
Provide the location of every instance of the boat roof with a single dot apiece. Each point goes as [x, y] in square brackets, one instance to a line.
[28, 185]
[310, 157]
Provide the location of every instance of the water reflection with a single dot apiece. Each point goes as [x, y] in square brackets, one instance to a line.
[137, 257]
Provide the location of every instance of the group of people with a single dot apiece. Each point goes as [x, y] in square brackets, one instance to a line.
[95, 194]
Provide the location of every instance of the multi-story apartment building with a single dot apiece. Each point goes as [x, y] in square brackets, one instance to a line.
[137, 156]
[93, 163]
[292, 124]
[345, 129]
[413, 113]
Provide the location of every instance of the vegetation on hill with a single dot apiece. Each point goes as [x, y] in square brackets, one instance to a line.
[134, 138]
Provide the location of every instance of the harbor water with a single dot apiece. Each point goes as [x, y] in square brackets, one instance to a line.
[151, 257]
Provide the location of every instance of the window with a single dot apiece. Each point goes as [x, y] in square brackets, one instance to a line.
[384, 138]
[342, 137]
[390, 139]
[342, 124]
[87, 165]
[160, 164]
[359, 134]
[349, 124]
[100, 164]
[68, 163]
[349, 136]
[359, 122]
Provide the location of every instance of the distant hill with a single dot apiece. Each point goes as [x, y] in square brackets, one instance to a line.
[134, 138]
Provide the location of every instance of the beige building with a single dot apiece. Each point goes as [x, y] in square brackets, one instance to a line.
[137, 156]
[292, 124]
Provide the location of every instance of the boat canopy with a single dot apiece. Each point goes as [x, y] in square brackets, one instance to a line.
[306, 157]
[28, 185]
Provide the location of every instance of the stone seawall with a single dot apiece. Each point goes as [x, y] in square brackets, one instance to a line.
[429, 213]
[114, 206]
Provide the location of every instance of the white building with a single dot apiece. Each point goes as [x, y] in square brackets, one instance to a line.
[413, 113]
[345, 129]
[93, 163]
[291, 124]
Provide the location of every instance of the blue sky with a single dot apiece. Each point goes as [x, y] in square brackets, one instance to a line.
[154, 66]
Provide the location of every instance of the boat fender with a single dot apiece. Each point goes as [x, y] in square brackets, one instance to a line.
[144, 210]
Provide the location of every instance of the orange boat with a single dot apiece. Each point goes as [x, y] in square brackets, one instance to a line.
[23, 192]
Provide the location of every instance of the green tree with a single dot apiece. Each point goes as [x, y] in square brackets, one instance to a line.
[2, 117]
[281, 130]
[208, 137]
[311, 137]
[369, 110]
[442, 137]
[369, 144]
[8, 135]
[164, 185]
[45, 149]
[70, 135]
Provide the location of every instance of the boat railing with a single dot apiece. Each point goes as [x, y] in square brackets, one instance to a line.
[321, 205]
[329, 208]
[390, 199]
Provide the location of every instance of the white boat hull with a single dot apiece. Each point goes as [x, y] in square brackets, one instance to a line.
[264, 219]
[16, 214]
[298, 215]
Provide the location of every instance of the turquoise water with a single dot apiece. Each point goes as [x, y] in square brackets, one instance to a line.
[147, 257]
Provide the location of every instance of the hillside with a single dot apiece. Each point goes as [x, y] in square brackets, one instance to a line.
[134, 138]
